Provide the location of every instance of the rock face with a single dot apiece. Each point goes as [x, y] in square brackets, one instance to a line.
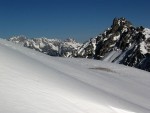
[52, 47]
[122, 43]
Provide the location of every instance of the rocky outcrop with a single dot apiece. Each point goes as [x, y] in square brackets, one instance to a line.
[122, 43]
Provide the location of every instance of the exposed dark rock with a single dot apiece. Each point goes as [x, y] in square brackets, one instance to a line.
[122, 43]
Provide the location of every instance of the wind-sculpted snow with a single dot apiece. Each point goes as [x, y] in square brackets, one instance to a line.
[32, 82]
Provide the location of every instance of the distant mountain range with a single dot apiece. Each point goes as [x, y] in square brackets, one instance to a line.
[52, 47]
[122, 43]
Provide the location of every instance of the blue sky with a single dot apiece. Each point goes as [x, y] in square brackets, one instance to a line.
[79, 19]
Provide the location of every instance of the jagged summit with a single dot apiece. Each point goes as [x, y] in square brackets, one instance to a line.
[120, 24]
[121, 43]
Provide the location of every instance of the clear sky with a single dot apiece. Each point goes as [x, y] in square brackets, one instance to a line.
[79, 19]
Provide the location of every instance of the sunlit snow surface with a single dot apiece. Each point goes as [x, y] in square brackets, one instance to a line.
[32, 82]
[146, 32]
[144, 47]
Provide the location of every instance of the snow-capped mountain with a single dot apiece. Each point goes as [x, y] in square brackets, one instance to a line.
[32, 82]
[52, 47]
[122, 43]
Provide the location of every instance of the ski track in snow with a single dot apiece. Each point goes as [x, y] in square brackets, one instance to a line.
[32, 82]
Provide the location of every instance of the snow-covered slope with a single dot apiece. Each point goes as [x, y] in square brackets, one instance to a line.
[32, 82]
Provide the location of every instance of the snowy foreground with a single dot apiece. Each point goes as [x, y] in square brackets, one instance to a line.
[32, 82]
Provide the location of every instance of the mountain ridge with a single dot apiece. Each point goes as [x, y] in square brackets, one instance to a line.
[52, 47]
[122, 43]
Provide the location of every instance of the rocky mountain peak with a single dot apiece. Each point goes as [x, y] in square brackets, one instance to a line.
[121, 43]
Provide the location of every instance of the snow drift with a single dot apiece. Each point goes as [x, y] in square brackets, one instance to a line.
[32, 82]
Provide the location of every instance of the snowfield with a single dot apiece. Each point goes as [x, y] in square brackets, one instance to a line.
[32, 82]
